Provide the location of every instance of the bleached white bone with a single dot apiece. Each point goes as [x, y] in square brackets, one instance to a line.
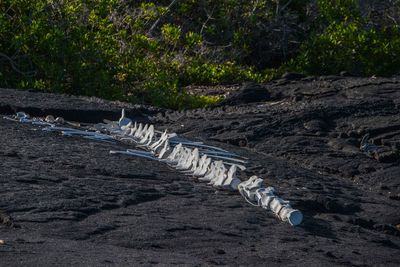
[175, 152]
[220, 176]
[248, 189]
[172, 157]
[132, 130]
[212, 172]
[192, 159]
[197, 165]
[241, 167]
[163, 137]
[203, 170]
[267, 199]
[138, 131]
[127, 126]
[165, 149]
[134, 154]
[231, 182]
[199, 145]
[144, 131]
[40, 122]
[228, 159]
[150, 139]
[147, 134]
[180, 157]
[195, 161]
[99, 138]
[83, 133]
[139, 152]
[160, 144]
[184, 159]
[123, 121]
[211, 152]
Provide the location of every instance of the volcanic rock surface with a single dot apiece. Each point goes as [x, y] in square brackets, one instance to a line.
[65, 201]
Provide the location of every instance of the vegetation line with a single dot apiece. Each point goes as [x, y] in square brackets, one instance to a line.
[149, 51]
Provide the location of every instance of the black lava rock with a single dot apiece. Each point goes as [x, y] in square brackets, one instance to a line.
[249, 93]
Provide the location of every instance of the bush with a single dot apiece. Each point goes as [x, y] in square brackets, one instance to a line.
[147, 51]
[112, 49]
[349, 43]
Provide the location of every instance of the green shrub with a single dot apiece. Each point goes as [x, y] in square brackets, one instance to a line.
[349, 43]
[110, 49]
[147, 51]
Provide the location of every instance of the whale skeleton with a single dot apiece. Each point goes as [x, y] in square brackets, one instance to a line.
[216, 166]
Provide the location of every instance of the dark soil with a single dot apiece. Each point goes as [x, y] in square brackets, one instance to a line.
[66, 202]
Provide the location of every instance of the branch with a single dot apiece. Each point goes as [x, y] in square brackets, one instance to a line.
[15, 68]
[159, 19]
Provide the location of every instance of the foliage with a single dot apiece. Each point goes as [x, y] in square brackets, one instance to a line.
[148, 51]
[349, 43]
[113, 49]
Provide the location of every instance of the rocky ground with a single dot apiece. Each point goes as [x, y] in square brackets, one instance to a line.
[65, 201]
